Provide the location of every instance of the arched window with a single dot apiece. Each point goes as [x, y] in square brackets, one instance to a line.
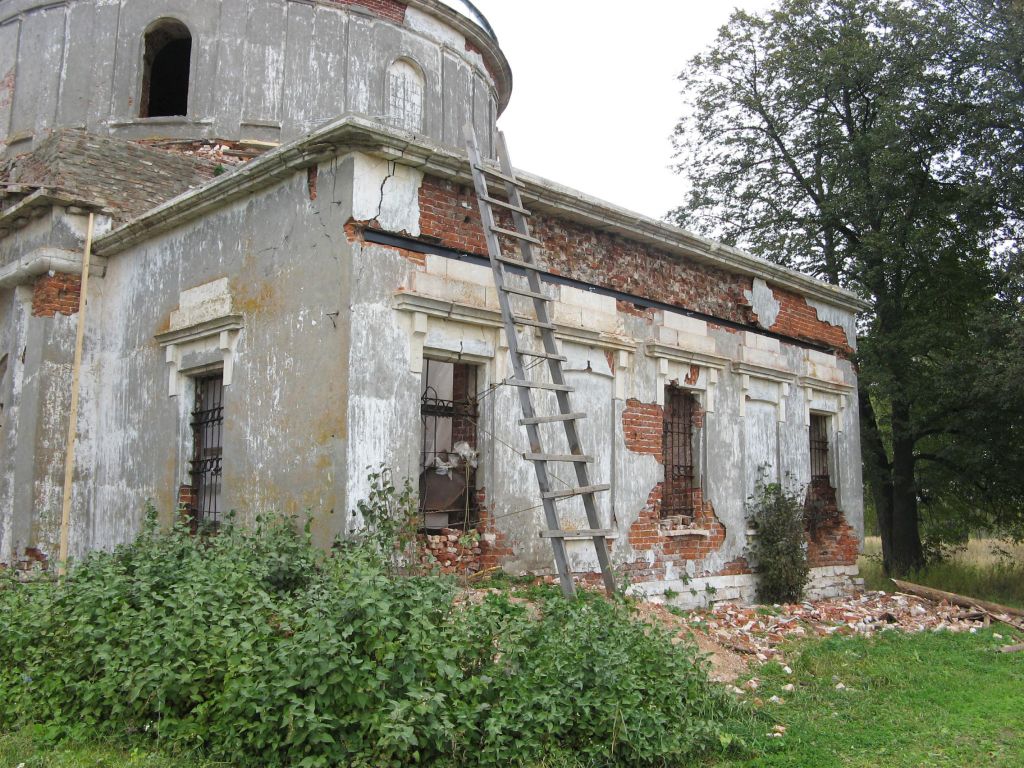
[166, 67]
[405, 89]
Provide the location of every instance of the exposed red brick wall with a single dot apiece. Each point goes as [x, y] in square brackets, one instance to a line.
[629, 308]
[737, 567]
[452, 550]
[650, 534]
[487, 62]
[56, 293]
[643, 428]
[386, 9]
[449, 214]
[456, 551]
[830, 539]
[463, 390]
[800, 320]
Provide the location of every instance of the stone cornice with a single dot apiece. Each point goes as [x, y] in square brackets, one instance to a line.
[356, 134]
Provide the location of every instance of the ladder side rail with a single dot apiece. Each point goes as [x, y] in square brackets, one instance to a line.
[525, 399]
[555, 367]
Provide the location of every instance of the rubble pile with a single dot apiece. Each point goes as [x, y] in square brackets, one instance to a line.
[757, 632]
[219, 152]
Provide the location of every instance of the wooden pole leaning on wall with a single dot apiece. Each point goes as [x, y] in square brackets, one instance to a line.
[76, 367]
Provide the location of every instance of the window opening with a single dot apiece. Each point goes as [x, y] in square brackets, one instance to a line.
[821, 506]
[207, 452]
[3, 373]
[448, 462]
[405, 96]
[819, 450]
[166, 70]
[681, 484]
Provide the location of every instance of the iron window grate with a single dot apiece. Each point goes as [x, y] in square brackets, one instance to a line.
[207, 452]
[448, 459]
[680, 490]
[819, 449]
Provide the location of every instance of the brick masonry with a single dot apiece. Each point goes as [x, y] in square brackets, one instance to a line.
[449, 216]
[124, 178]
[800, 320]
[465, 552]
[386, 9]
[56, 293]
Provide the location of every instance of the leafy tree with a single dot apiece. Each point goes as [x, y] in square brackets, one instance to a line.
[877, 145]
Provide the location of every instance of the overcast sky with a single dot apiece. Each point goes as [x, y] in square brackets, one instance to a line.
[595, 97]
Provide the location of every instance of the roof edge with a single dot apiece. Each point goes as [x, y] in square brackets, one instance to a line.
[501, 71]
[357, 134]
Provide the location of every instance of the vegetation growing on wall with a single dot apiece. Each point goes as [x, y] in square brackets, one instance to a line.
[779, 547]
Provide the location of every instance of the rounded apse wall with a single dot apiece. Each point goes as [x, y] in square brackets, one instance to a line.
[261, 70]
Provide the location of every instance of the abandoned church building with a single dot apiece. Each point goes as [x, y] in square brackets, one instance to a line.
[289, 284]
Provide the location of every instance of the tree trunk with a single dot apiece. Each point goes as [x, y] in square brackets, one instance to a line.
[893, 488]
[877, 468]
[905, 553]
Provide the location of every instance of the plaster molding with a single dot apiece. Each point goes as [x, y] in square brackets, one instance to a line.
[219, 335]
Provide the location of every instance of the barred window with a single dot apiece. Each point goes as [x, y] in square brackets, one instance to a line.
[681, 479]
[448, 459]
[819, 450]
[207, 452]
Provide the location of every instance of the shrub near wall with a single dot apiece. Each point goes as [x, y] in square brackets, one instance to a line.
[262, 651]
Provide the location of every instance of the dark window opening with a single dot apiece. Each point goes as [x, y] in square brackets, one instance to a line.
[207, 453]
[682, 486]
[821, 505]
[448, 459]
[166, 70]
[819, 450]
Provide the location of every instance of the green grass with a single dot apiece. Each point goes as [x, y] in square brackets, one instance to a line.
[975, 571]
[934, 699]
[24, 749]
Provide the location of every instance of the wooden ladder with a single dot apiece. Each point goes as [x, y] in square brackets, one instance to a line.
[542, 322]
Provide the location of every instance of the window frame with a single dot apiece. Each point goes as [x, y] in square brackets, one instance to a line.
[467, 408]
[397, 118]
[681, 502]
[204, 512]
[146, 66]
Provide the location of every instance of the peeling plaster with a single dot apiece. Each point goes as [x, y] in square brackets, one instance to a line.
[838, 317]
[764, 303]
[387, 192]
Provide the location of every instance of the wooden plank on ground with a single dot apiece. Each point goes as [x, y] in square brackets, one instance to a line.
[937, 595]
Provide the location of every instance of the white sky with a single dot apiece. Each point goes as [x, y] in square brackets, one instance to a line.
[595, 97]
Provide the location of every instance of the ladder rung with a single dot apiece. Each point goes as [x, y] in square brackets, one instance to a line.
[517, 320]
[570, 492]
[517, 262]
[499, 175]
[541, 385]
[543, 355]
[517, 235]
[582, 533]
[503, 204]
[552, 419]
[528, 294]
[564, 494]
[567, 458]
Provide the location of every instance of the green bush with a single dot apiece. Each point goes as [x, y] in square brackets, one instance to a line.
[779, 547]
[257, 649]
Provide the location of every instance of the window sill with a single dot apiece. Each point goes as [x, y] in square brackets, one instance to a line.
[170, 120]
[678, 532]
